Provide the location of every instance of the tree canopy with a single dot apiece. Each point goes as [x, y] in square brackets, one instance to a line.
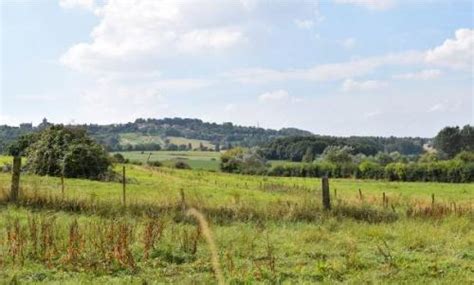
[59, 150]
[453, 140]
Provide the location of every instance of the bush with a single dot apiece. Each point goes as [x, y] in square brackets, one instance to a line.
[118, 158]
[369, 169]
[245, 161]
[454, 171]
[61, 150]
[155, 163]
[182, 165]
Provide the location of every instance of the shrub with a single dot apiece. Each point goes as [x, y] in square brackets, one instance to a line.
[245, 161]
[182, 165]
[62, 150]
[371, 170]
[155, 163]
[118, 158]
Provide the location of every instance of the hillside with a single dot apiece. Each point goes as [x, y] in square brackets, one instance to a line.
[147, 133]
[186, 134]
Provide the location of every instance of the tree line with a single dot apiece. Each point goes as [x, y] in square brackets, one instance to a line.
[226, 135]
[451, 160]
[308, 147]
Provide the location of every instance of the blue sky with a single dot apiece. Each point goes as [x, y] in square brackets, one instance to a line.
[341, 67]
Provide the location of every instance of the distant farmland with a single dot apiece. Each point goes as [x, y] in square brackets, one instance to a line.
[205, 160]
[136, 139]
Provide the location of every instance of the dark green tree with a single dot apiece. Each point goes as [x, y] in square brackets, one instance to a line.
[449, 141]
[467, 138]
[308, 156]
[69, 151]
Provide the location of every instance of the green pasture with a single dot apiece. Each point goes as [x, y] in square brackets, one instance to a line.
[205, 160]
[267, 230]
[135, 138]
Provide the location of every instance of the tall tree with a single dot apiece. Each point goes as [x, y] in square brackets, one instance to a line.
[467, 138]
[449, 141]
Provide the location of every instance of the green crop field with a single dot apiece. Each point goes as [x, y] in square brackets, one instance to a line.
[262, 230]
[205, 160]
[195, 143]
[134, 139]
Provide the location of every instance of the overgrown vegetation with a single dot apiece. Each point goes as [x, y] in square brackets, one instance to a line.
[265, 229]
[344, 158]
[63, 151]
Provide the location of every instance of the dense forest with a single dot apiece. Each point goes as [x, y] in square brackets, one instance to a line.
[295, 148]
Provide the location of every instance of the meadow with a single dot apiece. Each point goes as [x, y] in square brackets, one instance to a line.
[202, 160]
[265, 230]
[135, 139]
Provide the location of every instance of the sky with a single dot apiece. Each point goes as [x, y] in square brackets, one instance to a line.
[340, 67]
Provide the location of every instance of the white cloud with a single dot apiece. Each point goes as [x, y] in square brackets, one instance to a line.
[131, 34]
[274, 96]
[454, 53]
[350, 85]
[304, 24]
[349, 43]
[421, 75]
[326, 72]
[218, 38]
[370, 4]
[441, 55]
[436, 108]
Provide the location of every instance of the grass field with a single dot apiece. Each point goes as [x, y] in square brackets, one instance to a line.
[193, 142]
[205, 160]
[202, 160]
[135, 138]
[266, 230]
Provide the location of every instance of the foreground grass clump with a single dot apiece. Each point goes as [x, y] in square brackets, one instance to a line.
[265, 230]
[59, 247]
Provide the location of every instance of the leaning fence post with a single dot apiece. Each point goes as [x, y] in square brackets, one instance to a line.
[15, 178]
[124, 183]
[326, 198]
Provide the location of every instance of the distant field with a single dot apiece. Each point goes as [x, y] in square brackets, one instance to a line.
[205, 160]
[134, 139]
[268, 230]
[282, 162]
[193, 142]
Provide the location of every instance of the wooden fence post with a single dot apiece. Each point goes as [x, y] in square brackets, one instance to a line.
[361, 197]
[124, 183]
[432, 200]
[326, 198]
[15, 187]
[384, 200]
